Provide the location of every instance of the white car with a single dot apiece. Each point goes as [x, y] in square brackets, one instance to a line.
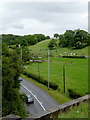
[20, 78]
[30, 99]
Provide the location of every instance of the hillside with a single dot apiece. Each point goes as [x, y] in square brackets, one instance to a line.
[41, 48]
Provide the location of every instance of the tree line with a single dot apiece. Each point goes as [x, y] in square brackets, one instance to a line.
[16, 42]
[71, 39]
[25, 40]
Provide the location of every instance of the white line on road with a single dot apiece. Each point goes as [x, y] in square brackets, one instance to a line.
[34, 97]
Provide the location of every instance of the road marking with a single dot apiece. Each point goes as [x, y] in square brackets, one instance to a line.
[35, 97]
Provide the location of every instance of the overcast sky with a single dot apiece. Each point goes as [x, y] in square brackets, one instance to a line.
[23, 18]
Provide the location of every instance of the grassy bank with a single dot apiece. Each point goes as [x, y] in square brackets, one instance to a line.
[76, 112]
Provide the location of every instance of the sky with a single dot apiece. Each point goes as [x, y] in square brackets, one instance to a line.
[23, 18]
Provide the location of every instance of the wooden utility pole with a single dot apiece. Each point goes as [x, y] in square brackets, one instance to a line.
[38, 71]
[64, 77]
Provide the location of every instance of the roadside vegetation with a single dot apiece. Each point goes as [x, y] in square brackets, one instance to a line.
[11, 70]
[76, 112]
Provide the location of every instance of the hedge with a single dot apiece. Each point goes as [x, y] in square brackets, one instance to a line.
[73, 94]
[74, 57]
[41, 80]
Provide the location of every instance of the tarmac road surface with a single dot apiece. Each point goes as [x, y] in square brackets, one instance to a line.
[42, 100]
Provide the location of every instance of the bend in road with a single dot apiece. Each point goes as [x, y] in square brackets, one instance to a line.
[42, 100]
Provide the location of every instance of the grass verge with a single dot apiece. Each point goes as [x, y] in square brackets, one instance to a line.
[76, 112]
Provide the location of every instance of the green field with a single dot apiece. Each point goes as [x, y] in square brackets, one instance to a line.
[76, 112]
[76, 73]
[76, 69]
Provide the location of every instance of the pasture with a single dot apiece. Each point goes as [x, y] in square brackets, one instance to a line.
[76, 73]
[41, 49]
[76, 69]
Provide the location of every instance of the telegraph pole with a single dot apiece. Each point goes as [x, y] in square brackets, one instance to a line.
[48, 69]
[64, 77]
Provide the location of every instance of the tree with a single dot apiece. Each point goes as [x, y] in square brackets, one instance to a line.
[52, 44]
[47, 37]
[11, 70]
[31, 39]
[26, 40]
[56, 35]
[62, 41]
[76, 39]
[81, 37]
[39, 37]
[69, 36]
[25, 54]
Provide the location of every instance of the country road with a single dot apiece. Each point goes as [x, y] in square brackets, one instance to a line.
[42, 100]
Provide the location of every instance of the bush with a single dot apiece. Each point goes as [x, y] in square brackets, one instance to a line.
[23, 97]
[53, 85]
[73, 94]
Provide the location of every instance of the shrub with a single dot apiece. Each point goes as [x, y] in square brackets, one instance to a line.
[23, 97]
[53, 85]
[73, 94]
